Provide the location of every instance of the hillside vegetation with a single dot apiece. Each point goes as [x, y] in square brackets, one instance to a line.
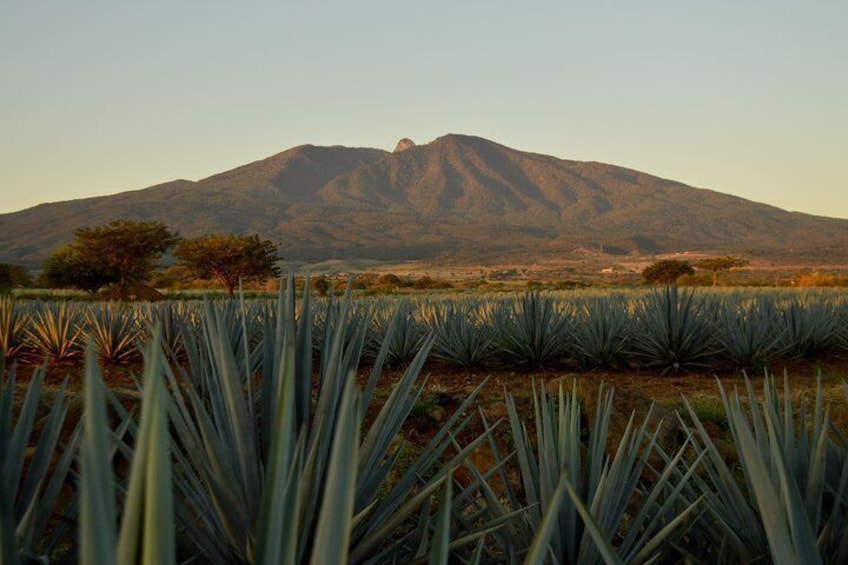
[455, 198]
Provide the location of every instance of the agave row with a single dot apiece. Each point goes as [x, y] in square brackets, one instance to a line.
[668, 330]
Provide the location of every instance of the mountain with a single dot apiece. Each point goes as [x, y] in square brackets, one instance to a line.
[457, 198]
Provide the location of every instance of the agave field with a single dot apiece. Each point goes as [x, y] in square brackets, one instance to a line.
[668, 331]
[268, 431]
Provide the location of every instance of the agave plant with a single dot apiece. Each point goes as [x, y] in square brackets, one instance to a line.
[750, 333]
[601, 333]
[327, 316]
[792, 506]
[674, 332]
[585, 506]
[176, 320]
[271, 473]
[407, 335]
[461, 338]
[532, 329]
[13, 320]
[111, 328]
[54, 332]
[811, 325]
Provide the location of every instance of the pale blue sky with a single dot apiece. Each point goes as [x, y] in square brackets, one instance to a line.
[747, 98]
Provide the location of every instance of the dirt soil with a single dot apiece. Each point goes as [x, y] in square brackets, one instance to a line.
[635, 391]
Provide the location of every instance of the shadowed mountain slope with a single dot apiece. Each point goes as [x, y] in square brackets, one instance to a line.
[456, 197]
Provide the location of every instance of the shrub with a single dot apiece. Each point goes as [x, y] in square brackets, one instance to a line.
[666, 271]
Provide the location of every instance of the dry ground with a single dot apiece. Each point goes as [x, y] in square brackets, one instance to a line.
[635, 390]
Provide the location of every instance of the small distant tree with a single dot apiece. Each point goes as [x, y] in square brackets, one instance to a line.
[390, 280]
[70, 267]
[229, 258]
[427, 282]
[123, 253]
[717, 264]
[13, 276]
[666, 271]
[321, 285]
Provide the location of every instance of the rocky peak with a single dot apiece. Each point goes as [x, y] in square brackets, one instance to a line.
[404, 144]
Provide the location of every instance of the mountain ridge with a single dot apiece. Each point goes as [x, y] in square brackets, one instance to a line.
[456, 196]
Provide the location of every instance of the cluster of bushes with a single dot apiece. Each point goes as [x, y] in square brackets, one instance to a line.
[388, 283]
[822, 280]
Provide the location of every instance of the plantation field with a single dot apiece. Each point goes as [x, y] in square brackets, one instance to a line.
[670, 330]
[445, 428]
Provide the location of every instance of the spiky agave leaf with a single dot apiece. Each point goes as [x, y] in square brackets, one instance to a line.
[795, 504]
[441, 540]
[790, 537]
[335, 519]
[29, 500]
[97, 535]
[148, 529]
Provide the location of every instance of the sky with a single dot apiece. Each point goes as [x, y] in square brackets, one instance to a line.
[746, 98]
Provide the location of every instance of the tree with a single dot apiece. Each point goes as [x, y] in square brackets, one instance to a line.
[229, 258]
[123, 253]
[13, 276]
[70, 267]
[717, 264]
[666, 271]
[321, 285]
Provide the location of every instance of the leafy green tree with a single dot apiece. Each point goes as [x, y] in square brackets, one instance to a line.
[666, 271]
[229, 258]
[13, 276]
[71, 267]
[122, 253]
[717, 264]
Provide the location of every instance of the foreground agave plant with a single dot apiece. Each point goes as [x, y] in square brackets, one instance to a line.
[147, 529]
[580, 502]
[272, 473]
[28, 501]
[793, 504]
